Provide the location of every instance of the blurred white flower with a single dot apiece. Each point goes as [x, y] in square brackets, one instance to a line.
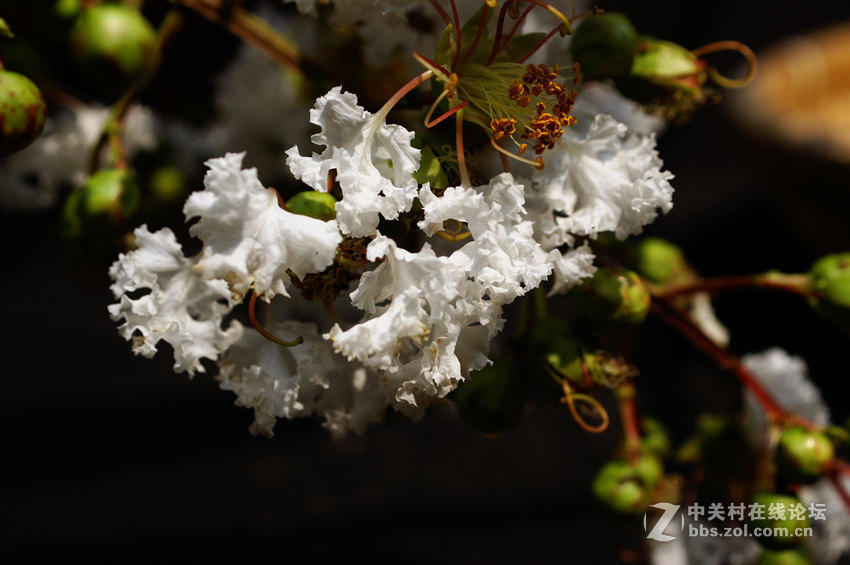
[33, 177]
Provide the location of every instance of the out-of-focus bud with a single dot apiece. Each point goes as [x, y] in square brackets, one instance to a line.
[626, 488]
[614, 297]
[22, 112]
[830, 290]
[319, 205]
[491, 399]
[782, 531]
[605, 46]
[803, 455]
[658, 260]
[104, 201]
[113, 46]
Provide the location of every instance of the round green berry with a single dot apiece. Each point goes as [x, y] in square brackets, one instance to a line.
[612, 296]
[319, 205]
[626, 488]
[831, 280]
[658, 260]
[22, 112]
[106, 199]
[803, 455]
[604, 45]
[113, 46]
[491, 399]
[785, 529]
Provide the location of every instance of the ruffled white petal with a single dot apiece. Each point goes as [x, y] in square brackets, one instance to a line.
[249, 240]
[374, 162]
[289, 382]
[420, 328]
[607, 180]
[502, 254]
[179, 308]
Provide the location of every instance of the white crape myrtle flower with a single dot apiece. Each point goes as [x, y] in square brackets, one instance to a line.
[786, 379]
[275, 117]
[249, 240]
[374, 162]
[180, 308]
[32, 177]
[831, 537]
[289, 382]
[419, 328]
[606, 180]
[502, 255]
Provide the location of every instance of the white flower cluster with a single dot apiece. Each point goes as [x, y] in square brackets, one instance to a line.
[427, 317]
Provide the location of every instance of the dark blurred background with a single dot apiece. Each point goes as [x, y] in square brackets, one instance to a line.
[113, 458]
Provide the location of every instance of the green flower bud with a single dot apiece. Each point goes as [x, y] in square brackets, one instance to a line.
[491, 399]
[775, 538]
[803, 455]
[658, 260]
[830, 292]
[612, 296]
[787, 557]
[664, 62]
[105, 200]
[626, 488]
[319, 205]
[605, 45]
[113, 46]
[22, 112]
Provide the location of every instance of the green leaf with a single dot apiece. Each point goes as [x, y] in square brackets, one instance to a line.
[430, 170]
[519, 46]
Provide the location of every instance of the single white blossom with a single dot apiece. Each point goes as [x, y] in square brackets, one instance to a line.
[419, 330]
[249, 240]
[180, 308]
[606, 180]
[374, 162]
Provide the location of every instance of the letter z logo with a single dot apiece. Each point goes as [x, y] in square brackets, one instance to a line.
[657, 532]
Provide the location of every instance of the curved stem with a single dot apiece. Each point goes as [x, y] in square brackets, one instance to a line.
[255, 31]
[252, 315]
[461, 157]
[402, 92]
[572, 398]
[738, 47]
[114, 124]
[631, 423]
[678, 319]
[796, 283]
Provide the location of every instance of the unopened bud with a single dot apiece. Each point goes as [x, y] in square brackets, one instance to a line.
[22, 112]
[605, 45]
[803, 455]
[319, 205]
[613, 296]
